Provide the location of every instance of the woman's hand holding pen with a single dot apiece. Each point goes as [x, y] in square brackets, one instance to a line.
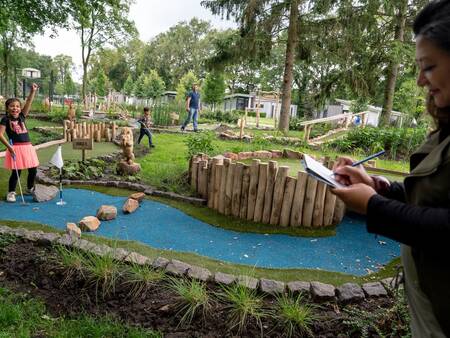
[360, 186]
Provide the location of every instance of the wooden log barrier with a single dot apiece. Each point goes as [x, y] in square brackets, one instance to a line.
[253, 189]
[237, 188]
[211, 180]
[271, 176]
[194, 171]
[330, 205]
[260, 194]
[223, 185]
[278, 194]
[288, 197]
[308, 207]
[244, 192]
[229, 189]
[339, 211]
[299, 198]
[203, 179]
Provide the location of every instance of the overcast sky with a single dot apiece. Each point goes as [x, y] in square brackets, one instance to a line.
[151, 18]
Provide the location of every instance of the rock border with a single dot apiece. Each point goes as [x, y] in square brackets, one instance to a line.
[319, 292]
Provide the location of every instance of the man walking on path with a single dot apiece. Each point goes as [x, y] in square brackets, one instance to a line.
[192, 107]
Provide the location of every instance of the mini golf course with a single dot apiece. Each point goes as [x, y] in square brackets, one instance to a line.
[352, 250]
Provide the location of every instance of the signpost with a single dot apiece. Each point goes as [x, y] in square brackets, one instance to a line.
[30, 73]
[83, 144]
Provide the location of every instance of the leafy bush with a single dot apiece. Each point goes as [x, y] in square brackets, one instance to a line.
[87, 170]
[220, 116]
[253, 114]
[200, 143]
[294, 123]
[398, 142]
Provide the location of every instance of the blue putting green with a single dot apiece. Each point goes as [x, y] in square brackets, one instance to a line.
[351, 251]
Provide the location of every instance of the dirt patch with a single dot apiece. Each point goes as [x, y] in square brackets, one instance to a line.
[29, 267]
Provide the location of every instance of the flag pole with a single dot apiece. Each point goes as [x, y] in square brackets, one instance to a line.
[61, 202]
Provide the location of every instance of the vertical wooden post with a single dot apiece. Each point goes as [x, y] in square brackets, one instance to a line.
[339, 211]
[217, 180]
[278, 194]
[244, 191]
[317, 220]
[288, 197]
[271, 176]
[194, 170]
[299, 198]
[310, 197]
[262, 182]
[114, 131]
[229, 189]
[237, 188]
[203, 179]
[223, 184]
[253, 189]
[330, 205]
[211, 180]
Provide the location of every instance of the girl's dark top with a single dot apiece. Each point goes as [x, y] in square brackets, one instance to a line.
[16, 128]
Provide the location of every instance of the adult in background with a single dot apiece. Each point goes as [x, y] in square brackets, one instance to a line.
[416, 212]
[192, 107]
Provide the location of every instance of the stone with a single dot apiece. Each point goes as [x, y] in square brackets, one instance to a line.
[128, 169]
[292, 154]
[349, 293]
[245, 155]
[299, 287]
[247, 281]
[199, 273]
[89, 223]
[322, 292]
[138, 259]
[160, 263]
[33, 235]
[138, 196]
[120, 254]
[48, 238]
[44, 193]
[272, 287]
[374, 289]
[224, 278]
[262, 154]
[107, 212]
[66, 240]
[177, 267]
[73, 230]
[231, 156]
[130, 206]
[277, 153]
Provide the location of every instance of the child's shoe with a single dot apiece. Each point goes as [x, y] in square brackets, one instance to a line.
[11, 197]
[29, 191]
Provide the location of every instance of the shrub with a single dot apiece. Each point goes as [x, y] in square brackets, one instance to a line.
[253, 114]
[87, 170]
[200, 143]
[219, 116]
[398, 142]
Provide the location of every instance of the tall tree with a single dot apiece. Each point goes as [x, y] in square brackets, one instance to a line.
[100, 23]
[185, 85]
[128, 86]
[214, 88]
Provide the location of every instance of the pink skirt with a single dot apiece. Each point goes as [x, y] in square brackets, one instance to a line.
[26, 157]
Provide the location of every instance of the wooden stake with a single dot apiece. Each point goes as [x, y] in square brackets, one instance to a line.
[299, 198]
[244, 192]
[237, 188]
[217, 180]
[268, 198]
[330, 205]
[278, 194]
[310, 197]
[229, 189]
[288, 197]
[317, 220]
[260, 194]
[253, 189]
[223, 185]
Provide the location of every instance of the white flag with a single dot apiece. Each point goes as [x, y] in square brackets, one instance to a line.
[57, 159]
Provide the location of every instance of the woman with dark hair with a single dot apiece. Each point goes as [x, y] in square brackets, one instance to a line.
[416, 212]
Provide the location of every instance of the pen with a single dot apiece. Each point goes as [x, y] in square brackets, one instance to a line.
[354, 164]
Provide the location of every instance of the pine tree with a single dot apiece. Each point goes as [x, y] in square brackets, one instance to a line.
[214, 88]
[128, 86]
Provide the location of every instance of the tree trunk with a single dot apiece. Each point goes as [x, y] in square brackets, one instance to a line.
[291, 46]
[392, 70]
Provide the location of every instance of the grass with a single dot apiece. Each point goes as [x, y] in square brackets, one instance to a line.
[72, 262]
[23, 316]
[294, 317]
[141, 278]
[192, 298]
[243, 305]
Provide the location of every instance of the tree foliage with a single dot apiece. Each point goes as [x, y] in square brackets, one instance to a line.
[185, 86]
[214, 88]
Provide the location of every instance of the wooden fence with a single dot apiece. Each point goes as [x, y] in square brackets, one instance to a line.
[263, 192]
[96, 131]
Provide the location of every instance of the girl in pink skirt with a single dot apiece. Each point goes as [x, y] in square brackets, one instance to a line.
[21, 153]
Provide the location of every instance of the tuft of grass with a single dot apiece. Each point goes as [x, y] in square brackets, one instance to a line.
[243, 305]
[294, 317]
[6, 240]
[192, 298]
[73, 262]
[104, 272]
[141, 278]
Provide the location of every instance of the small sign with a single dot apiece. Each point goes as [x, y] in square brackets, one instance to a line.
[83, 143]
[31, 73]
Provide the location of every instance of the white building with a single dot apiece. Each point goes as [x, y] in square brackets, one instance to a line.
[268, 104]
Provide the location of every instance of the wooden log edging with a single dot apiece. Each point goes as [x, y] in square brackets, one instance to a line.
[96, 131]
[318, 291]
[264, 193]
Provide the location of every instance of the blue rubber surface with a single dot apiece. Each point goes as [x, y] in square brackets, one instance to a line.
[351, 251]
